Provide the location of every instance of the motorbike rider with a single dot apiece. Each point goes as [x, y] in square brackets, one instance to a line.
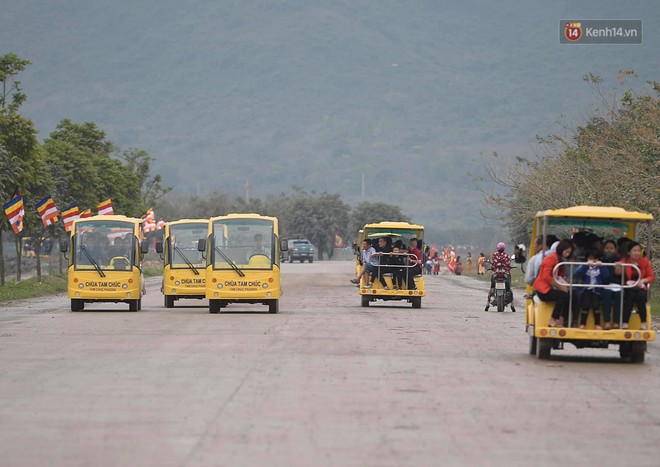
[500, 263]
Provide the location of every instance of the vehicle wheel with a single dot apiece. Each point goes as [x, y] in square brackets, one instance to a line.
[532, 345]
[513, 308]
[500, 303]
[133, 305]
[625, 349]
[77, 305]
[543, 348]
[273, 306]
[364, 300]
[214, 306]
[169, 301]
[302, 260]
[417, 302]
[638, 352]
[139, 304]
[290, 259]
[311, 260]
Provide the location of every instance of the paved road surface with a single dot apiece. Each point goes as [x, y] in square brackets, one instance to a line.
[325, 382]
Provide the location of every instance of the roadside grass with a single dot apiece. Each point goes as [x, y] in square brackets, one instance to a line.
[30, 288]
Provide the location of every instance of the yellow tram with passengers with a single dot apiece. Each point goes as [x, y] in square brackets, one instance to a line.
[105, 261]
[242, 253]
[184, 271]
[380, 280]
[608, 222]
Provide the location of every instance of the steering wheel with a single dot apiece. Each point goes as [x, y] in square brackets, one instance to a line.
[118, 259]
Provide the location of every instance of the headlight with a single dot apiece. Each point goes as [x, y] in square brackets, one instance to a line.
[177, 283]
[81, 286]
[125, 286]
[265, 286]
[219, 286]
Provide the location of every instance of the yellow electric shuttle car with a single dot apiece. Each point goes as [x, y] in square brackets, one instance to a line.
[184, 272]
[242, 254]
[105, 261]
[393, 275]
[599, 223]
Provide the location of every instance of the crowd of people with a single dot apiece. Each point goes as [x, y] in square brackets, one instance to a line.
[606, 272]
[607, 269]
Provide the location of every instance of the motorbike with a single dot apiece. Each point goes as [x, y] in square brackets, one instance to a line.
[498, 296]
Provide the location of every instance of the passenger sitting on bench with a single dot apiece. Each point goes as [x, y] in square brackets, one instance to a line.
[396, 265]
[593, 273]
[415, 267]
[382, 252]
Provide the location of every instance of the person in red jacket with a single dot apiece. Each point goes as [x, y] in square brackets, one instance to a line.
[636, 295]
[550, 290]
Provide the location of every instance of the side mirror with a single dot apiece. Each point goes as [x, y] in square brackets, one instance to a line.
[284, 245]
[64, 246]
[201, 244]
[144, 246]
[159, 247]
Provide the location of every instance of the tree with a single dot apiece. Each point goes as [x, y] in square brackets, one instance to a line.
[18, 142]
[138, 163]
[369, 213]
[613, 159]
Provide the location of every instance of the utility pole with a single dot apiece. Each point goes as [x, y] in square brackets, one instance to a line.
[363, 187]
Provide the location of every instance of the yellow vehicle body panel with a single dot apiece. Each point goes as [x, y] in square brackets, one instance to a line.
[180, 280]
[260, 282]
[405, 231]
[537, 315]
[119, 284]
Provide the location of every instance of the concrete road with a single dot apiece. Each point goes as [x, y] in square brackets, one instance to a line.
[324, 382]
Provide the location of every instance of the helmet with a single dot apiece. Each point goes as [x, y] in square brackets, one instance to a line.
[501, 246]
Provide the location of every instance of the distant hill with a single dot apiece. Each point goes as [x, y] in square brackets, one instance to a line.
[317, 93]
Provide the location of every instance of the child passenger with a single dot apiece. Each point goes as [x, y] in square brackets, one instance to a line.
[593, 273]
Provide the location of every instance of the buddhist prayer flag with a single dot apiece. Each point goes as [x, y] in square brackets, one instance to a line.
[160, 225]
[48, 211]
[149, 221]
[15, 212]
[69, 215]
[105, 208]
[86, 213]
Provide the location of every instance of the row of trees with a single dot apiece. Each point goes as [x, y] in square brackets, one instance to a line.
[317, 217]
[75, 164]
[611, 160]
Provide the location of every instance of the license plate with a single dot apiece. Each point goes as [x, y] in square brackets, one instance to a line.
[500, 285]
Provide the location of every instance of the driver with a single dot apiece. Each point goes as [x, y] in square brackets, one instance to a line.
[500, 262]
[259, 248]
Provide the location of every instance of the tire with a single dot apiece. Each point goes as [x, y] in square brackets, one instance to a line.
[543, 348]
[290, 259]
[77, 304]
[364, 300]
[214, 306]
[416, 302]
[500, 303]
[625, 350]
[532, 345]
[169, 301]
[302, 260]
[273, 306]
[139, 304]
[133, 305]
[311, 260]
[638, 352]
